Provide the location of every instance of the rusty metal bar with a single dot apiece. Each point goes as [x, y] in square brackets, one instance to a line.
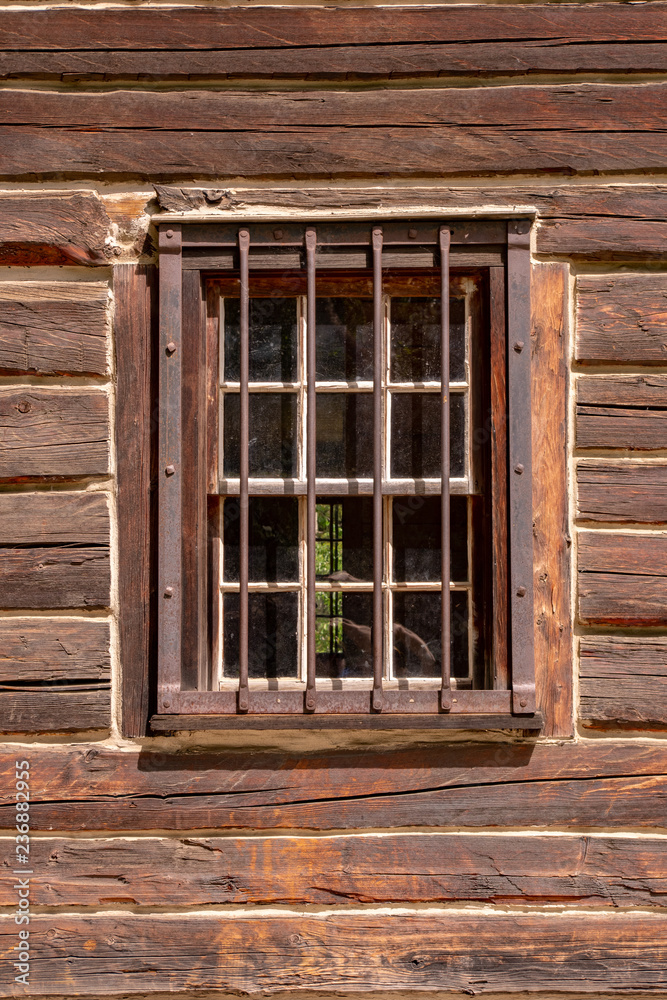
[244, 467]
[311, 472]
[445, 573]
[520, 466]
[378, 546]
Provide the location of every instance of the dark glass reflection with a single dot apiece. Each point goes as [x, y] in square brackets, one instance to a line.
[343, 635]
[415, 435]
[415, 339]
[344, 546]
[274, 539]
[344, 435]
[417, 634]
[272, 450]
[272, 625]
[416, 538]
[273, 340]
[344, 339]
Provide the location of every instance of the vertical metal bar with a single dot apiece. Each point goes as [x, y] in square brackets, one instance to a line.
[244, 468]
[520, 466]
[378, 548]
[311, 513]
[170, 490]
[445, 573]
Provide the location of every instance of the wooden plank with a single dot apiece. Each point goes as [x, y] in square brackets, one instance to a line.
[622, 578]
[41, 228]
[447, 951]
[622, 412]
[54, 519]
[439, 785]
[74, 708]
[622, 492]
[622, 318]
[604, 239]
[403, 868]
[55, 577]
[134, 290]
[54, 649]
[623, 679]
[53, 432]
[551, 544]
[54, 327]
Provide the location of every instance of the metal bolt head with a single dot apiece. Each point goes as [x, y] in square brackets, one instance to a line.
[169, 234]
[278, 234]
[168, 591]
[521, 591]
[519, 346]
[518, 468]
[167, 704]
[169, 470]
[523, 703]
[412, 234]
[171, 347]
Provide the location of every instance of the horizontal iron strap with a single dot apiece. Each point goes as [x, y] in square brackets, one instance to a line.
[207, 258]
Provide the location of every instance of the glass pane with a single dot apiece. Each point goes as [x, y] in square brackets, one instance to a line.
[274, 539]
[415, 339]
[415, 435]
[416, 527]
[344, 340]
[272, 623]
[273, 340]
[343, 635]
[344, 548]
[344, 435]
[417, 637]
[272, 434]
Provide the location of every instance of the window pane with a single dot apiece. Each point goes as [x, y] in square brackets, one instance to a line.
[274, 539]
[272, 434]
[415, 435]
[417, 637]
[344, 435]
[273, 340]
[344, 339]
[416, 538]
[343, 635]
[344, 547]
[415, 339]
[272, 625]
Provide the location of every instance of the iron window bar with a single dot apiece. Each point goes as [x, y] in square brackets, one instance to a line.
[208, 248]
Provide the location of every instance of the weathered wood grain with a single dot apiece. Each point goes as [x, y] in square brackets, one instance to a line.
[622, 578]
[53, 327]
[414, 868]
[622, 492]
[66, 709]
[627, 412]
[63, 228]
[54, 519]
[551, 541]
[134, 321]
[55, 577]
[623, 679]
[54, 649]
[603, 239]
[613, 784]
[622, 318]
[53, 432]
[446, 951]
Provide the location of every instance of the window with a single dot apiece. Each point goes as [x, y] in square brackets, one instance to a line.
[317, 485]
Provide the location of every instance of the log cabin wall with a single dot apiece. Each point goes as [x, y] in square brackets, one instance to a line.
[332, 862]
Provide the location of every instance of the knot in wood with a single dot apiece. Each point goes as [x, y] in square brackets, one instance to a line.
[25, 406]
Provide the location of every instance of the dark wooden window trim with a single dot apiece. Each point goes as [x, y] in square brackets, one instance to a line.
[187, 253]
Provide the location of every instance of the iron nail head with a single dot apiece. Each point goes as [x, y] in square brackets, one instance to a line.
[171, 347]
[168, 591]
[169, 470]
[412, 234]
[518, 468]
[521, 591]
[523, 703]
[278, 234]
[519, 346]
[170, 234]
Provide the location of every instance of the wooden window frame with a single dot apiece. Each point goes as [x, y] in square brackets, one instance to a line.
[189, 252]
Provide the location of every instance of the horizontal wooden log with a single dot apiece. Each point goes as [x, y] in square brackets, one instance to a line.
[622, 318]
[605, 239]
[209, 28]
[471, 953]
[66, 709]
[623, 679]
[63, 228]
[55, 577]
[54, 327]
[54, 519]
[54, 649]
[53, 432]
[408, 868]
[613, 784]
[627, 492]
[622, 578]
[627, 412]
